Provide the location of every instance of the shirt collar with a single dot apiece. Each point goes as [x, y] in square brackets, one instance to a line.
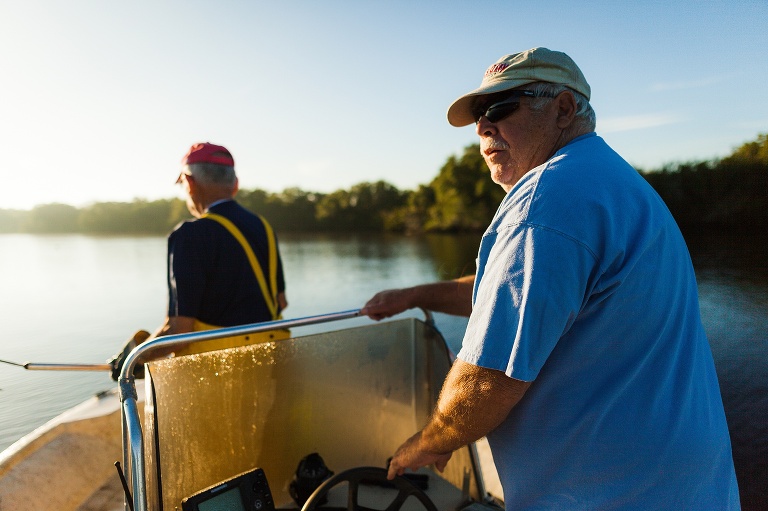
[216, 203]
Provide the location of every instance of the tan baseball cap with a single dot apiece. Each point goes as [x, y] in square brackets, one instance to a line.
[516, 70]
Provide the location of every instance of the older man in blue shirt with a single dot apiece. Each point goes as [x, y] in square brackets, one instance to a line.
[584, 362]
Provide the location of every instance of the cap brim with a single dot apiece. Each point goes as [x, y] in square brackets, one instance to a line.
[460, 111]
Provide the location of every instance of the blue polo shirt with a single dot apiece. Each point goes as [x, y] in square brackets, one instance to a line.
[209, 276]
[585, 287]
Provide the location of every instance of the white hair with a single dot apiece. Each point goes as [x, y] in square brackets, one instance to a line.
[585, 117]
[212, 173]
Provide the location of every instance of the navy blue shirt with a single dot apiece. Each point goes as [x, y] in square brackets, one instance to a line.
[209, 276]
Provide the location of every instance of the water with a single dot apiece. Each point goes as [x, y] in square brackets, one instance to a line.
[77, 298]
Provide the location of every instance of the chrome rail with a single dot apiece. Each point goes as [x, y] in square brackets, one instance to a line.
[32, 366]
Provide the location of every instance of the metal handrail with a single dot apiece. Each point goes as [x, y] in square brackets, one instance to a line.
[133, 443]
[35, 366]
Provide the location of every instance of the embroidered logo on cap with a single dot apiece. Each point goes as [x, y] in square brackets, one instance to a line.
[496, 69]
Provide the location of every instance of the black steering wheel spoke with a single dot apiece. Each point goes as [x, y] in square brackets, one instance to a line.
[354, 477]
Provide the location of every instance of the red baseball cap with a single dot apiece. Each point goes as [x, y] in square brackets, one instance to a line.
[205, 152]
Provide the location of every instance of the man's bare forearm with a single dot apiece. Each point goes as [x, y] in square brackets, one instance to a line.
[451, 297]
[473, 402]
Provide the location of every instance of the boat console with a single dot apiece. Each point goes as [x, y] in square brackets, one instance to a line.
[218, 424]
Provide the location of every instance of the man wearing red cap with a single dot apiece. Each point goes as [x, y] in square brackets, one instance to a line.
[224, 267]
[584, 362]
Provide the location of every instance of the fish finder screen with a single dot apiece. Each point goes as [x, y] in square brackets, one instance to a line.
[230, 500]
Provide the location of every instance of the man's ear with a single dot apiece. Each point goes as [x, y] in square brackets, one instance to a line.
[191, 184]
[566, 109]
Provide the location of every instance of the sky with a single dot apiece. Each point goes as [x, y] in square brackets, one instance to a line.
[99, 100]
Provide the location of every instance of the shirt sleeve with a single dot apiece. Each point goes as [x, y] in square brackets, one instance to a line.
[530, 286]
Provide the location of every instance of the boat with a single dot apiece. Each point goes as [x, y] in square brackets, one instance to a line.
[303, 423]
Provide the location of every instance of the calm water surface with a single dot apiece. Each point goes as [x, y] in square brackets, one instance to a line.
[77, 298]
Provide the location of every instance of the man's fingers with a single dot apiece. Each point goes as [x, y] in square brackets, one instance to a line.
[374, 316]
[440, 465]
[394, 471]
[384, 304]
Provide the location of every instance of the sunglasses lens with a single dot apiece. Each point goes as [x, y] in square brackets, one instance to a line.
[478, 112]
[499, 111]
[498, 106]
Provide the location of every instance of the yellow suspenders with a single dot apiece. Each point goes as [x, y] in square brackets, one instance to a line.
[268, 291]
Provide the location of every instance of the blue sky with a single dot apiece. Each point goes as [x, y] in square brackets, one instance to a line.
[99, 100]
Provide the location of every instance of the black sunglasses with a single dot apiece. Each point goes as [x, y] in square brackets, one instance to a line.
[495, 110]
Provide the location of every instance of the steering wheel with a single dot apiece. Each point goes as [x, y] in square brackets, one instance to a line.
[376, 475]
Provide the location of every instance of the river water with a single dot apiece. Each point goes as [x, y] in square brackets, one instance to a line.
[77, 298]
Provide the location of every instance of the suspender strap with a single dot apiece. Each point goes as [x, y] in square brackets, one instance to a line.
[270, 293]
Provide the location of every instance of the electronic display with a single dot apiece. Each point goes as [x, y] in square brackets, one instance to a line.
[248, 491]
[230, 500]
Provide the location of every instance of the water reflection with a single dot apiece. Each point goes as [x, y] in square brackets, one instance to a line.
[448, 255]
[736, 258]
[454, 255]
[732, 273]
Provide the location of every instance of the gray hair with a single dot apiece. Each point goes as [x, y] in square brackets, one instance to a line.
[212, 173]
[585, 118]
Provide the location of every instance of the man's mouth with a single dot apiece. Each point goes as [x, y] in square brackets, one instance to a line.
[494, 146]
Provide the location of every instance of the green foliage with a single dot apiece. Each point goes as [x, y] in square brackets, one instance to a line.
[728, 194]
[410, 218]
[755, 152]
[51, 218]
[291, 210]
[139, 216]
[465, 196]
[362, 208]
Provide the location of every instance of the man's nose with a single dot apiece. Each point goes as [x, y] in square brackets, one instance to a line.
[484, 127]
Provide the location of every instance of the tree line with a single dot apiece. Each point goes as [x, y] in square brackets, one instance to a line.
[726, 194]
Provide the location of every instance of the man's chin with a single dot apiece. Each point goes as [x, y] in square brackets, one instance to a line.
[499, 176]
